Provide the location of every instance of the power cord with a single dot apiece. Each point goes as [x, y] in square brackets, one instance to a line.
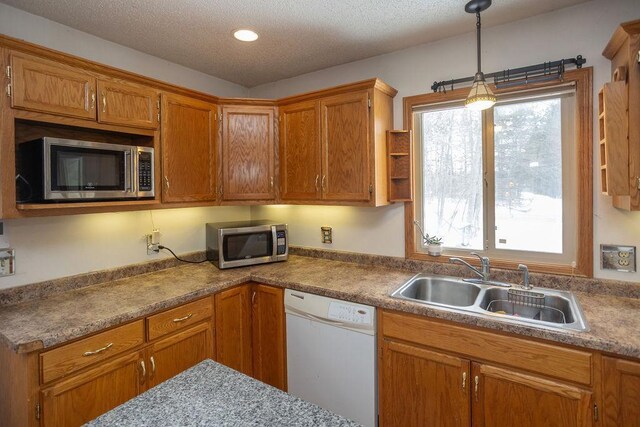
[180, 259]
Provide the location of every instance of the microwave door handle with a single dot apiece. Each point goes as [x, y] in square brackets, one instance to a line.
[127, 171]
[274, 238]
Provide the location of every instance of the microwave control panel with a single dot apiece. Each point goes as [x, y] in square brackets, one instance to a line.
[145, 171]
[282, 242]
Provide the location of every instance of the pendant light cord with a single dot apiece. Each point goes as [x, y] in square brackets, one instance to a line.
[478, 25]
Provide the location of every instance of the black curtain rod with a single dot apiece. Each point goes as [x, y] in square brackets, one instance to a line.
[518, 73]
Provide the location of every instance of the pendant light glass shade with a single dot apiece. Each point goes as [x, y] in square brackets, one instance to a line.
[480, 97]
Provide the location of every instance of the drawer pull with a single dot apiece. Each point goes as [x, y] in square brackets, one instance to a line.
[98, 351]
[182, 319]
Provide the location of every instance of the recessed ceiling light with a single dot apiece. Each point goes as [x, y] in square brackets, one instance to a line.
[245, 35]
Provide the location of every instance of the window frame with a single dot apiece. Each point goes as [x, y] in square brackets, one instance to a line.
[583, 81]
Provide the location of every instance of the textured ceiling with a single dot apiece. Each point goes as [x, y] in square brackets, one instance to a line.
[296, 37]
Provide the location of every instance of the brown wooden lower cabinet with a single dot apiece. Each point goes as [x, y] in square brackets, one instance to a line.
[419, 387]
[268, 335]
[81, 398]
[621, 393]
[250, 332]
[170, 356]
[422, 386]
[502, 397]
[233, 329]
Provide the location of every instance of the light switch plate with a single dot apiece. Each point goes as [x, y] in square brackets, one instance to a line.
[617, 257]
[7, 262]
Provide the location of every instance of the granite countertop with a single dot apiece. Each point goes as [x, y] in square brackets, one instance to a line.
[44, 322]
[210, 394]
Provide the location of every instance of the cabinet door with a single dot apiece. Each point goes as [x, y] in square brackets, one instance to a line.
[248, 153]
[502, 397]
[127, 104]
[188, 149]
[170, 356]
[83, 397]
[49, 87]
[345, 145]
[268, 329]
[621, 393]
[419, 387]
[300, 151]
[233, 329]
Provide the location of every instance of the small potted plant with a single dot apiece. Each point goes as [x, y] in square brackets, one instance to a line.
[434, 243]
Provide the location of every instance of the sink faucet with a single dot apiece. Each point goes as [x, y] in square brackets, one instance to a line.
[484, 262]
[525, 270]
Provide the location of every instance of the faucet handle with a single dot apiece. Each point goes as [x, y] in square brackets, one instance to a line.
[483, 259]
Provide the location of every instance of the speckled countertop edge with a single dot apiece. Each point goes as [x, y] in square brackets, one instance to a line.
[49, 321]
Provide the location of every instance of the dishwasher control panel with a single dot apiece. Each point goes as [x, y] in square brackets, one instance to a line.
[346, 312]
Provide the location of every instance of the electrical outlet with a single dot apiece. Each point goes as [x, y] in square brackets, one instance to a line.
[7, 262]
[619, 258]
[327, 234]
[153, 241]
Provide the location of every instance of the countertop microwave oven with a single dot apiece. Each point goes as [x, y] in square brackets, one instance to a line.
[56, 169]
[236, 244]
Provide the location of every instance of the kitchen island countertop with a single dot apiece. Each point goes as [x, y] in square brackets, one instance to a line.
[210, 394]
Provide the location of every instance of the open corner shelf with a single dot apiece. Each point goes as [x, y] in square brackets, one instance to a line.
[399, 165]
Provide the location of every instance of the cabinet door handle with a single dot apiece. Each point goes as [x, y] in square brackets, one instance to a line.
[182, 319]
[166, 181]
[104, 102]
[153, 366]
[476, 380]
[317, 182]
[143, 371]
[271, 183]
[324, 179]
[253, 297]
[464, 380]
[98, 351]
[93, 100]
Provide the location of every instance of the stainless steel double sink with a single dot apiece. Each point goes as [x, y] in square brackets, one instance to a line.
[547, 308]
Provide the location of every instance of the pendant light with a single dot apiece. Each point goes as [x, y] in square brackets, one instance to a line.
[480, 97]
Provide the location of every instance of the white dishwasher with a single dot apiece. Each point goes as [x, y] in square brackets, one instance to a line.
[331, 354]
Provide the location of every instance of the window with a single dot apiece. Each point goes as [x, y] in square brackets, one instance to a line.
[512, 182]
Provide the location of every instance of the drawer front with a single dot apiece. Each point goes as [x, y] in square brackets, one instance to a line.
[75, 356]
[178, 318]
[546, 359]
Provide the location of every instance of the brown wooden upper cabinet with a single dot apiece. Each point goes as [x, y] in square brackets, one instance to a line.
[248, 153]
[300, 151]
[619, 119]
[188, 149]
[50, 87]
[127, 104]
[333, 146]
[345, 143]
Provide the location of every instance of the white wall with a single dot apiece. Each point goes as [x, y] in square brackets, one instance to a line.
[52, 247]
[35, 29]
[48, 248]
[580, 30]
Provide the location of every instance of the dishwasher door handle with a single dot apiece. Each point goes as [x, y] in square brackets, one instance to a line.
[317, 318]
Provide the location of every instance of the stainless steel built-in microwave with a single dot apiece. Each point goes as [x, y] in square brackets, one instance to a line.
[55, 169]
[236, 244]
